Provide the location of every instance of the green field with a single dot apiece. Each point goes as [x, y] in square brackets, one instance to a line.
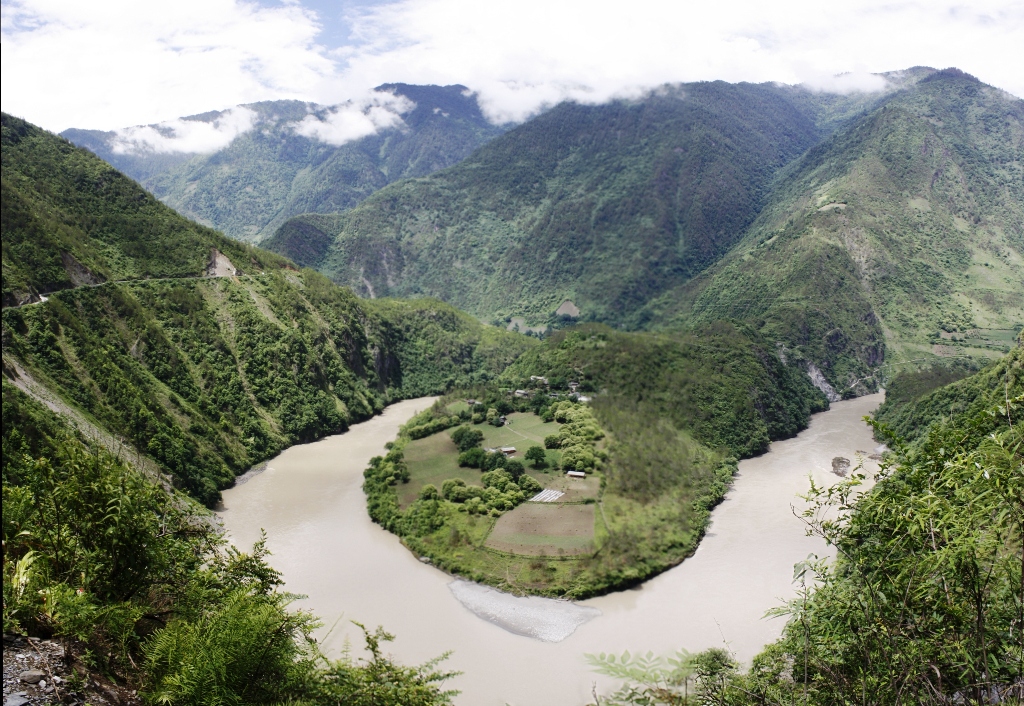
[434, 459]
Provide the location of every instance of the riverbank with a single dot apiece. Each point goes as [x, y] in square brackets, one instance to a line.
[310, 501]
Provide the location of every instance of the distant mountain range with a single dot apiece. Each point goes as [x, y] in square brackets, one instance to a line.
[277, 167]
[842, 226]
[855, 230]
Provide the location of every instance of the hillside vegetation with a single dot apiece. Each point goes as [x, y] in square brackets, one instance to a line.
[206, 375]
[925, 601]
[250, 187]
[607, 206]
[70, 219]
[886, 239]
[144, 594]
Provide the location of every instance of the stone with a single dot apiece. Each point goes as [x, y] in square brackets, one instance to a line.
[15, 700]
[32, 676]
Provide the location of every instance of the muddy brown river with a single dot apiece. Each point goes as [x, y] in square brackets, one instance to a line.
[531, 651]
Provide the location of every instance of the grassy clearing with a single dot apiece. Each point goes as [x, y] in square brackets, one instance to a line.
[434, 459]
[542, 529]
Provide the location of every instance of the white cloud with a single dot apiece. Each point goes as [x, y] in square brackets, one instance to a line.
[520, 55]
[185, 136]
[69, 63]
[356, 118]
[106, 64]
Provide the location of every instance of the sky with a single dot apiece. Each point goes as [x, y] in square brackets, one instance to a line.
[116, 63]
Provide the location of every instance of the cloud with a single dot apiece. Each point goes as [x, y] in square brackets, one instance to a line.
[356, 118]
[522, 55]
[68, 63]
[184, 135]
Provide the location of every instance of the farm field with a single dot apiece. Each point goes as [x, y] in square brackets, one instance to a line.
[434, 459]
[545, 529]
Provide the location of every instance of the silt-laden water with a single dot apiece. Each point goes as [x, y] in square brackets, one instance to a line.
[531, 651]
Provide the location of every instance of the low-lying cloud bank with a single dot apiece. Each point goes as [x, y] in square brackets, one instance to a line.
[356, 119]
[185, 135]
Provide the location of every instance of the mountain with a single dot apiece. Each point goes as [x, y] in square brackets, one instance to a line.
[899, 238]
[203, 370]
[276, 169]
[607, 206]
[69, 219]
[862, 233]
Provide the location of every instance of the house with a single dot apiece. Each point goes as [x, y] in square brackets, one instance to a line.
[541, 378]
[576, 474]
[522, 393]
[582, 398]
[508, 450]
[573, 386]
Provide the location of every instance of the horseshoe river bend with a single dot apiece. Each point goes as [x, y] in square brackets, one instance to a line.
[531, 651]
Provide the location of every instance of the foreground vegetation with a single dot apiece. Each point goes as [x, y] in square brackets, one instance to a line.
[925, 602]
[136, 582]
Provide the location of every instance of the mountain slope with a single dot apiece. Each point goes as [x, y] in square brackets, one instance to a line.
[900, 229]
[271, 172]
[70, 219]
[204, 375]
[607, 206]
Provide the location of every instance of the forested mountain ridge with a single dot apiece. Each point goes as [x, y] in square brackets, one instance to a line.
[206, 375]
[70, 219]
[895, 233]
[272, 171]
[607, 206]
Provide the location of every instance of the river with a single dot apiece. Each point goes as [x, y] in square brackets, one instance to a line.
[310, 502]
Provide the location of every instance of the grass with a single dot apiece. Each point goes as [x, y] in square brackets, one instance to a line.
[434, 459]
[542, 529]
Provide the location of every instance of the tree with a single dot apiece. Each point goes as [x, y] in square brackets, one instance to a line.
[467, 438]
[537, 456]
[492, 415]
[474, 458]
[552, 441]
[514, 468]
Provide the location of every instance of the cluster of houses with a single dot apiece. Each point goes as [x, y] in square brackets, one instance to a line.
[574, 393]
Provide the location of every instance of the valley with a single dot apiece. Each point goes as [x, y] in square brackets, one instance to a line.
[309, 502]
[535, 393]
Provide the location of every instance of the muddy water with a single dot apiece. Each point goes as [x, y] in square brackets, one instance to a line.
[310, 502]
